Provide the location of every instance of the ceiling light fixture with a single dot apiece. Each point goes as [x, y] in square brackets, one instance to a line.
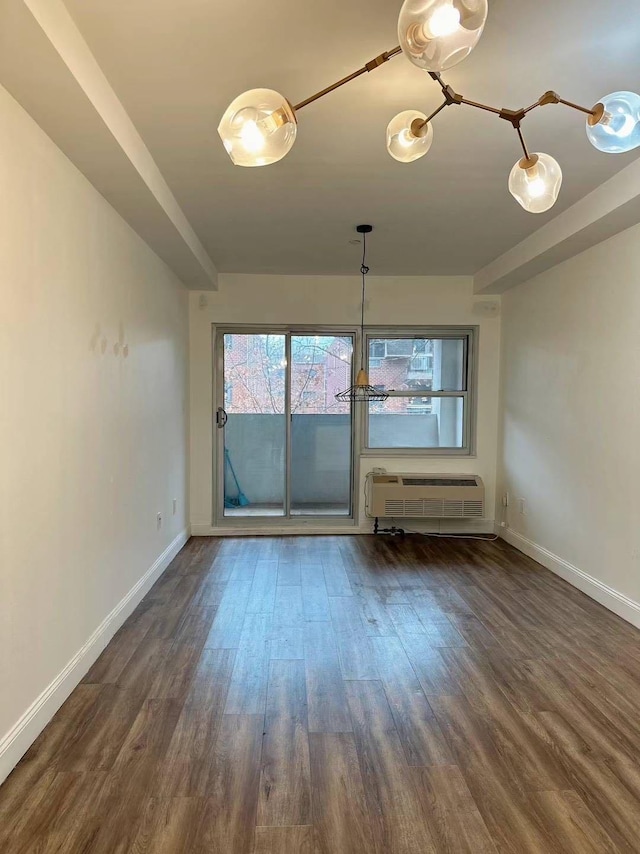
[438, 34]
[535, 182]
[409, 136]
[362, 391]
[260, 126]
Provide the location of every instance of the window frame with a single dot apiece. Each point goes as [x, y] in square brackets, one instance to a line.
[470, 335]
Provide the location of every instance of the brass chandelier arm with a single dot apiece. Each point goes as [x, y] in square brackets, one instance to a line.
[595, 113]
[418, 126]
[527, 156]
[436, 111]
[534, 106]
[479, 106]
[370, 66]
[435, 75]
[515, 117]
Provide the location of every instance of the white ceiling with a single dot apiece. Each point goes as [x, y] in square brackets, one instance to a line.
[176, 65]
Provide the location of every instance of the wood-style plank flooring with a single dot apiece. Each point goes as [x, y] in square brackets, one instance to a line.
[345, 695]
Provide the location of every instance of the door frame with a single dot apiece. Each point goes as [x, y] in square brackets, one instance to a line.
[219, 520]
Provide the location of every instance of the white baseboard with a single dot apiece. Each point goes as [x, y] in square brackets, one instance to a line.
[444, 526]
[21, 736]
[612, 599]
[207, 530]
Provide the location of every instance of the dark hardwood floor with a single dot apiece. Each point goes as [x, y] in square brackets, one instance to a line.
[345, 695]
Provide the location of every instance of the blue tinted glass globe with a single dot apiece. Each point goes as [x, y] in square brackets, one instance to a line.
[619, 128]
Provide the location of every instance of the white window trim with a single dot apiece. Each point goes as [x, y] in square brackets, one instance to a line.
[471, 334]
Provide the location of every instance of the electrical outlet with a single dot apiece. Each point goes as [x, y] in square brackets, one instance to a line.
[159, 518]
[175, 506]
[522, 506]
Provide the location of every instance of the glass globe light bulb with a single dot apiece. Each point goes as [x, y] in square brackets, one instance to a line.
[535, 182]
[251, 136]
[444, 21]
[616, 126]
[406, 139]
[437, 34]
[536, 188]
[259, 127]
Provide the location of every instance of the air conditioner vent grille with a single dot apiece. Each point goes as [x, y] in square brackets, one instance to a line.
[453, 508]
[434, 508]
[394, 508]
[426, 496]
[413, 507]
[474, 508]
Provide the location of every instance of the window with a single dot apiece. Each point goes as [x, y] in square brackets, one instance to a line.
[399, 347]
[308, 350]
[428, 377]
[388, 348]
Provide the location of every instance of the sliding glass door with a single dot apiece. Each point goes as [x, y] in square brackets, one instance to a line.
[253, 425]
[284, 441]
[320, 425]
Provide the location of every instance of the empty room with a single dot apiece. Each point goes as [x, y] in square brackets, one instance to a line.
[319, 396]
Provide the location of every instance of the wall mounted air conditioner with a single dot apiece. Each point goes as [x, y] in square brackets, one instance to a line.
[425, 496]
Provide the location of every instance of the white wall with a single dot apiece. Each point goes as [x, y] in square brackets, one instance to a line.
[93, 422]
[571, 419]
[326, 300]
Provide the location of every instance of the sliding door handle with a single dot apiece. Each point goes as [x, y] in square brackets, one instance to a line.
[221, 417]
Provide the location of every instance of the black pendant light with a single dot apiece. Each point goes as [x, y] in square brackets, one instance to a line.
[362, 391]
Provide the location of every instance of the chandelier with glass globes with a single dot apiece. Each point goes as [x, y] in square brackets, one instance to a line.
[259, 127]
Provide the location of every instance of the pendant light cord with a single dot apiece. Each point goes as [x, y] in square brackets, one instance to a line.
[364, 270]
[362, 391]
